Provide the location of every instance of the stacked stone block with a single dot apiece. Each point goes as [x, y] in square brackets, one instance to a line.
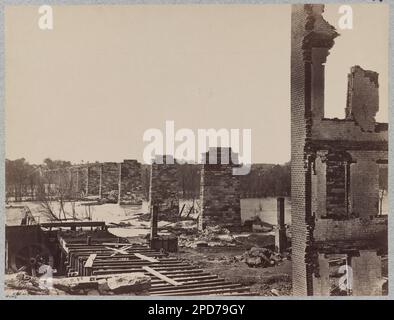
[220, 191]
[109, 179]
[164, 187]
[83, 180]
[75, 181]
[93, 180]
[130, 183]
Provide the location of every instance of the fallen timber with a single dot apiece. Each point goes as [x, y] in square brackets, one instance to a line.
[98, 255]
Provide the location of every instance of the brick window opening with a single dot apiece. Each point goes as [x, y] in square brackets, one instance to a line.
[383, 189]
[338, 186]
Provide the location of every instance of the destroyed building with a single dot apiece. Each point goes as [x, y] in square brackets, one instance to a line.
[119, 182]
[220, 190]
[109, 179]
[130, 183]
[335, 168]
[93, 185]
[164, 187]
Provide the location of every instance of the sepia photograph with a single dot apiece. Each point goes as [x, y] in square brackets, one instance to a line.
[196, 150]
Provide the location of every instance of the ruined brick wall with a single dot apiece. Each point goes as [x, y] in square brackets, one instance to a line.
[300, 95]
[364, 183]
[75, 181]
[350, 230]
[321, 282]
[335, 163]
[130, 183]
[164, 188]
[109, 178]
[83, 180]
[368, 268]
[219, 194]
[93, 180]
[362, 97]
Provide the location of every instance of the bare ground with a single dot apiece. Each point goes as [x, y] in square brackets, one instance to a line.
[268, 281]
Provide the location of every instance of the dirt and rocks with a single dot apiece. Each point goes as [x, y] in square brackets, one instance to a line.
[246, 258]
[131, 284]
[226, 263]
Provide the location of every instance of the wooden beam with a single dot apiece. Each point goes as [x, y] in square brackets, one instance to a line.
[143, 257]
[161, 276]
[122, 250]
[70, 224]
[89, 262]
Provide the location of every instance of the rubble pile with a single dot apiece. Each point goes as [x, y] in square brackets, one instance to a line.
[210, 237]
[23, 284]
[262, 257]
[255, 224]
[128, 283]
[181, 227]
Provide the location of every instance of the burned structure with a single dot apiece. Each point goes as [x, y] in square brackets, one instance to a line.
[335, 169]
[116, 182]
[93, 184]
[130, 184]
[109, 179]
[220, 190]
[163, 189]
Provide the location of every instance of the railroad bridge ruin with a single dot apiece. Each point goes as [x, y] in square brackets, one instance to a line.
[122, 181]
[219, 188]
[336, 165]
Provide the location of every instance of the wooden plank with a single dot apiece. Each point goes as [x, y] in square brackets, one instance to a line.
[200, 290]
[163, 287]
[128, 265]
[122, 250]
[73, 224]
[118, 244]
[143, 257]
[161, 276]
[63, 244]
[89, 262]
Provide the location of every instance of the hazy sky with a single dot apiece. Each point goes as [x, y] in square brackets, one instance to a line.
[89, 88]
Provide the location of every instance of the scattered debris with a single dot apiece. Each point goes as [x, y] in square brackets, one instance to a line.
[21, 283]
[210, 237]
[136, 283]
[130, 283]
[275, 292]
[255, 224]
[261, 257]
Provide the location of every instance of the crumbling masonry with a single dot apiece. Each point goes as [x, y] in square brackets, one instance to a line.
[163, 191]
[109, 180]
[93, 185]
[335, 168]
[220, 191]
[130, 183]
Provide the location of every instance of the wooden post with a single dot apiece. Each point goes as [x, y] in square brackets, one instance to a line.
[153, 222]
[280, 232]
[280, 205]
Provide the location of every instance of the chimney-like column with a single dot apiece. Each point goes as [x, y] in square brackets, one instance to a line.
[280, 232]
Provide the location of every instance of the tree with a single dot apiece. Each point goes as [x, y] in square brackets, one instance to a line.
[20, 177]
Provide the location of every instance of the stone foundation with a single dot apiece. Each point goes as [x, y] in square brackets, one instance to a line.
[130, 184]
[109, 179]
[219, 193]
[164, 188]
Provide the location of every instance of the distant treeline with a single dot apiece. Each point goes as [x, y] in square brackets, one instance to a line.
[23, 180]
[264, 180]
